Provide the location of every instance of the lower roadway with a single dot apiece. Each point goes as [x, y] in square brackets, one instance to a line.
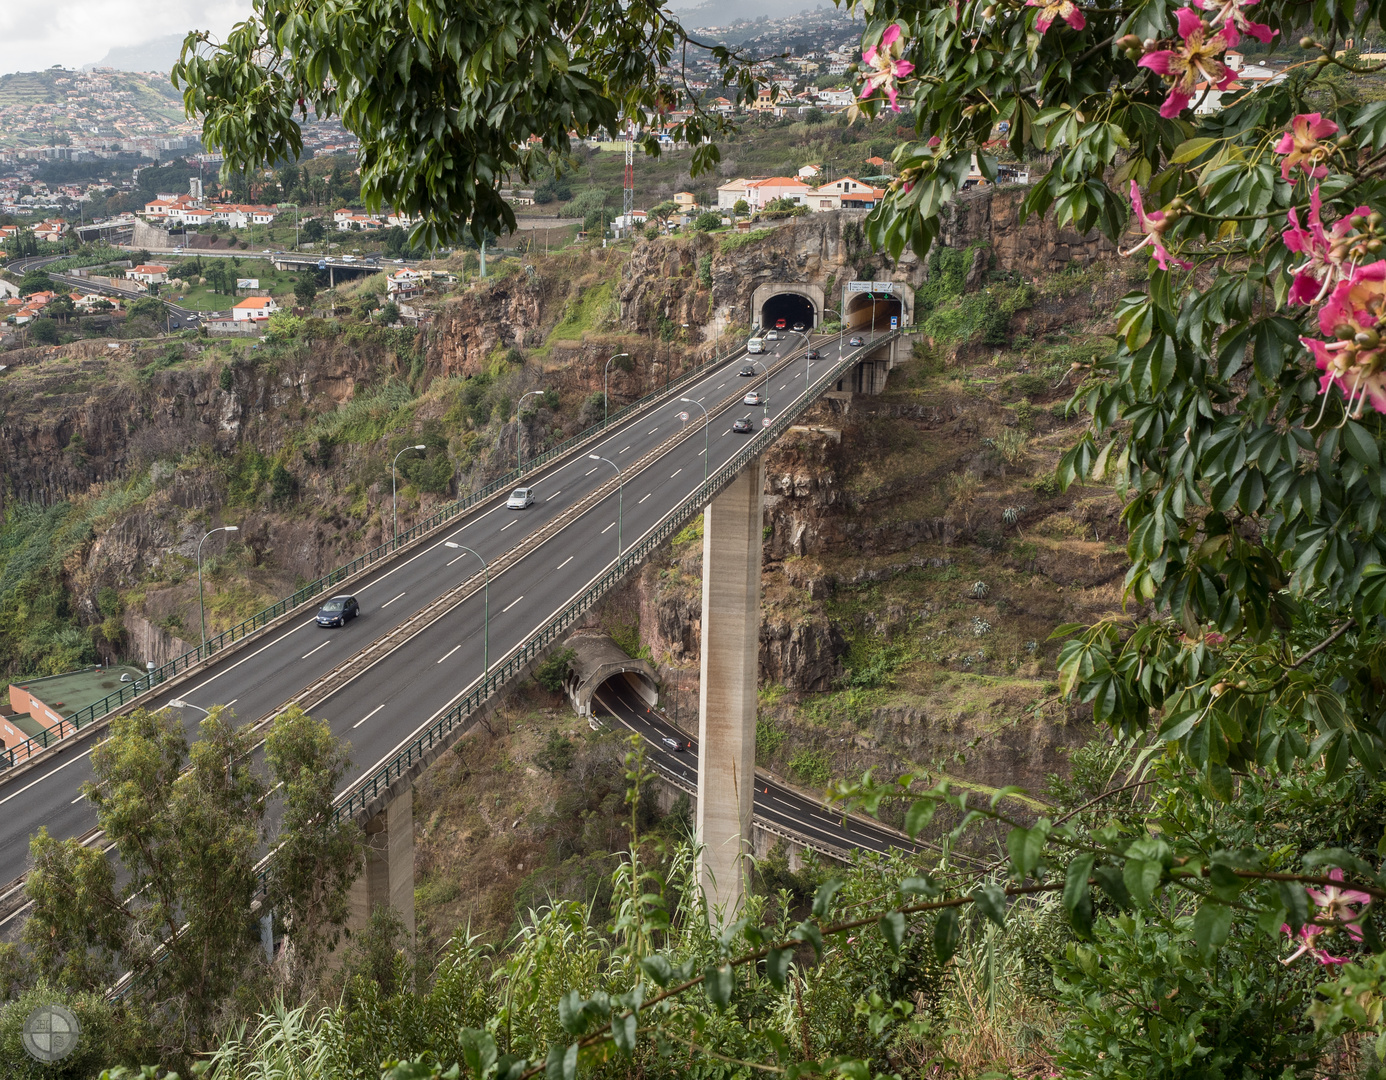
[776, 804]
[381, 708]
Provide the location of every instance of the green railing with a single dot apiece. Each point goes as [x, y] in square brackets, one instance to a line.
[179, 664]
[360, 796]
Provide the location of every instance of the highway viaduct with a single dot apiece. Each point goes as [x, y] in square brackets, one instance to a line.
[403, 682]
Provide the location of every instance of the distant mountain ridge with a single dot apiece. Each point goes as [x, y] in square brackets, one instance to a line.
[695, 14]
[157, 55]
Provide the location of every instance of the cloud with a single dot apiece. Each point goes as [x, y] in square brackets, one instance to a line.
[37, 35]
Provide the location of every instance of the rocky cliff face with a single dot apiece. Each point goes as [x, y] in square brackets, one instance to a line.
[1038, 246]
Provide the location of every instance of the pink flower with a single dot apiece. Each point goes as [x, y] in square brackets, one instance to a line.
[1057, 9]
[1228, 15]
[1302, 147]
[1327, 254]
[1342, 908]
[1354, 357]
[1307, 933]
[1153, 225]
[1192, 63]
[1338, 902]
[885, 67]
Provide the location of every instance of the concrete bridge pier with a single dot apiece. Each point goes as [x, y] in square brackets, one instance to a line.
[732, 541]
[387, 879]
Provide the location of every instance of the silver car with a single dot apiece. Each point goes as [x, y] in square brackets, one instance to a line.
[520, 498]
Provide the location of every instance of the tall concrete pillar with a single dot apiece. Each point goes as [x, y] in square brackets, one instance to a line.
[727, 700]
[387, 879]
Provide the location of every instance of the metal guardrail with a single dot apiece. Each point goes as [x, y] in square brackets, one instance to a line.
[359, 797]
[179, 664]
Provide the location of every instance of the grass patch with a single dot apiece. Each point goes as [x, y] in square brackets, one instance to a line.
[732, 243]
[591, 309]
[368, 416]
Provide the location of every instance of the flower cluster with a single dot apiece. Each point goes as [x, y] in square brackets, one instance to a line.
[1334, 271]
[1192, 61]
[1338, 909]
[1057, 9]
[884, 66]
[1153, 225]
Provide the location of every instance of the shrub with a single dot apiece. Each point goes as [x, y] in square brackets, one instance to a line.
[555, 669]
[557, 755]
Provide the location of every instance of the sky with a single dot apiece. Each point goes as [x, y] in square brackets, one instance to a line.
[36, 34]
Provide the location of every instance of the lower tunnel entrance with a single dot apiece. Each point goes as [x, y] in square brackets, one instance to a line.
[792, 308]
[873, 310]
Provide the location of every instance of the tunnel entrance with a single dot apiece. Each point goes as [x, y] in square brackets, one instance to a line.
[872, 311]
[598, 665]
[630, 686]
[791, 307]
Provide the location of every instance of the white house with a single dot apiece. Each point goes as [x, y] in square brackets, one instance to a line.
[730, 193]
[254, 308]
[148, 274]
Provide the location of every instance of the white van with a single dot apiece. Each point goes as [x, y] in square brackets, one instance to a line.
[755, 345]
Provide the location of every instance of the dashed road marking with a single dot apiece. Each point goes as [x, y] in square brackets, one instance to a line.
[310, 652]
[511, 604]
[449, 653]
[390, 601]
[372, 713]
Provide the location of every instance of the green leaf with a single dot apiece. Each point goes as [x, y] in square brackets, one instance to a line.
[991, 901]
[1077, 896]
[1025, 847]
[823, 898]
[1212, 924]
[1190, 149]
[1141, 876]
[1360, 444]
[718, 982]
[562, 1062]
[947, 933]
[623, 1031]
[572, 1014]
[657, 968]
[918, 886]
[917, 818]
[1296, 902]
[777, 967]
[892, 925]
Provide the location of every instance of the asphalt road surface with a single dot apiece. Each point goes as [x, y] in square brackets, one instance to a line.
[775, 804]
[381, 708]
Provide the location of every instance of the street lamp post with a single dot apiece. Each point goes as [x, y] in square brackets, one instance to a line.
[201, 605]
[707, 423]
[518, 463]
[179, 703]
[620, 497]
[605, 406]
[394, 484]
[485, 613]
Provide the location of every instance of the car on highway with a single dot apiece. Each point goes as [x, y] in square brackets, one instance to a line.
[856, 340]
[753, 398]
[755, 345]
[799, 326]
[520, 498]
[671, 744]
[780, 324]
[747, 371]
[814, 354]
[772, 335]
[743, 426]
[338, 611]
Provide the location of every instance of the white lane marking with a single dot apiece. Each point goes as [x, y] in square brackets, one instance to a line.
[702, 452]
[511, 604]
[310, 652]
[623, 450]
[232, 702]
[44, 777]
[609, 528]
[555, 495]
[389, 602]
[449, 653]
[75, 801]
[565, 562]
[646, 497]
[720, 385]
[462, 556]
[652, 431]
[366, 717]
[589, 472]
[727, 432]
[676, 472]
[512, 522]
[783, 385]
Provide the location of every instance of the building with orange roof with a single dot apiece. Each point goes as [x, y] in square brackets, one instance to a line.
[254, 308]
